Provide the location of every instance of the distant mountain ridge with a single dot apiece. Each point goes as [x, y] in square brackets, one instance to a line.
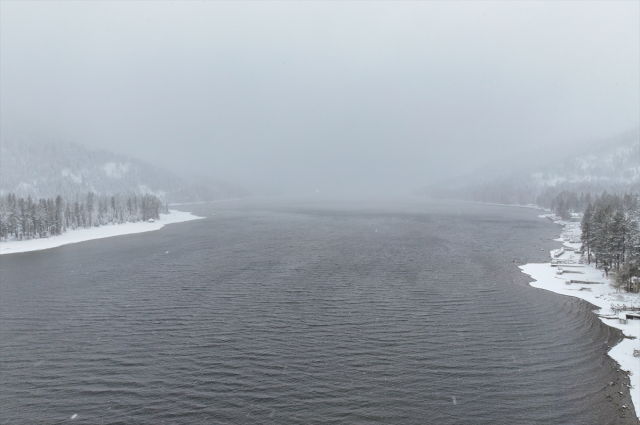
[618, 164]
[68, 169]
[612, 165]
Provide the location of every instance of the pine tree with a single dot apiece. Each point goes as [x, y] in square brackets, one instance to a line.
[90, 201]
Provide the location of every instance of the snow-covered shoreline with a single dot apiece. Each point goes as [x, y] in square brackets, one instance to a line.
[566, 276]
[107, 231]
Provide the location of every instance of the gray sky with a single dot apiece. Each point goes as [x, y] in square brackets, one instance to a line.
[358, 97]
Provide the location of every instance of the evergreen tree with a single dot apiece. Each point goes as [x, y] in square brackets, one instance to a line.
[611, 236]
[25, 218]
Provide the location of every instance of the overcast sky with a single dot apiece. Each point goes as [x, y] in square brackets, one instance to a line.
[357, 97]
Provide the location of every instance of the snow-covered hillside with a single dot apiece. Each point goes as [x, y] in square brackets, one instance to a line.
[612, 165]
[44, 170]
[619, 164]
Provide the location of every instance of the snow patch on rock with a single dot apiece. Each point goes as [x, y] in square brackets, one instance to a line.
[66, 172]
[114, 170]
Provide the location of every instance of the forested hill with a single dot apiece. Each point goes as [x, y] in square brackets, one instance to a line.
[46, 170]
[611, 165]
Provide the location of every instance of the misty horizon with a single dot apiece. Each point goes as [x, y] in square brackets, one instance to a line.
[299, 98]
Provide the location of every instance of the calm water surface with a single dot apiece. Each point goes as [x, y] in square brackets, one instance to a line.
[281, 312]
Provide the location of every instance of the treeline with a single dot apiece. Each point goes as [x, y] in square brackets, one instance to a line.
[611, 238]
[567, 202]
[29, 218]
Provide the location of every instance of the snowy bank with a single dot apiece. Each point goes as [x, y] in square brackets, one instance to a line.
[81, 235]
[566, 275]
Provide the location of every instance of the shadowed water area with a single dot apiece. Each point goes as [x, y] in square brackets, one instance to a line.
[282, 312]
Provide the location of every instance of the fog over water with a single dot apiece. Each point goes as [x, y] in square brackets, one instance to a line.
[355, 98]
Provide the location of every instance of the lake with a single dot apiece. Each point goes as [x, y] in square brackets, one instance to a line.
[276, 311]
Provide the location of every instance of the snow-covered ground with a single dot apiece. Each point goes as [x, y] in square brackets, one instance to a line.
[81, 235]
[566, 275]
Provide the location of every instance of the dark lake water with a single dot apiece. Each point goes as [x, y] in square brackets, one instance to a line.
[282, 312]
